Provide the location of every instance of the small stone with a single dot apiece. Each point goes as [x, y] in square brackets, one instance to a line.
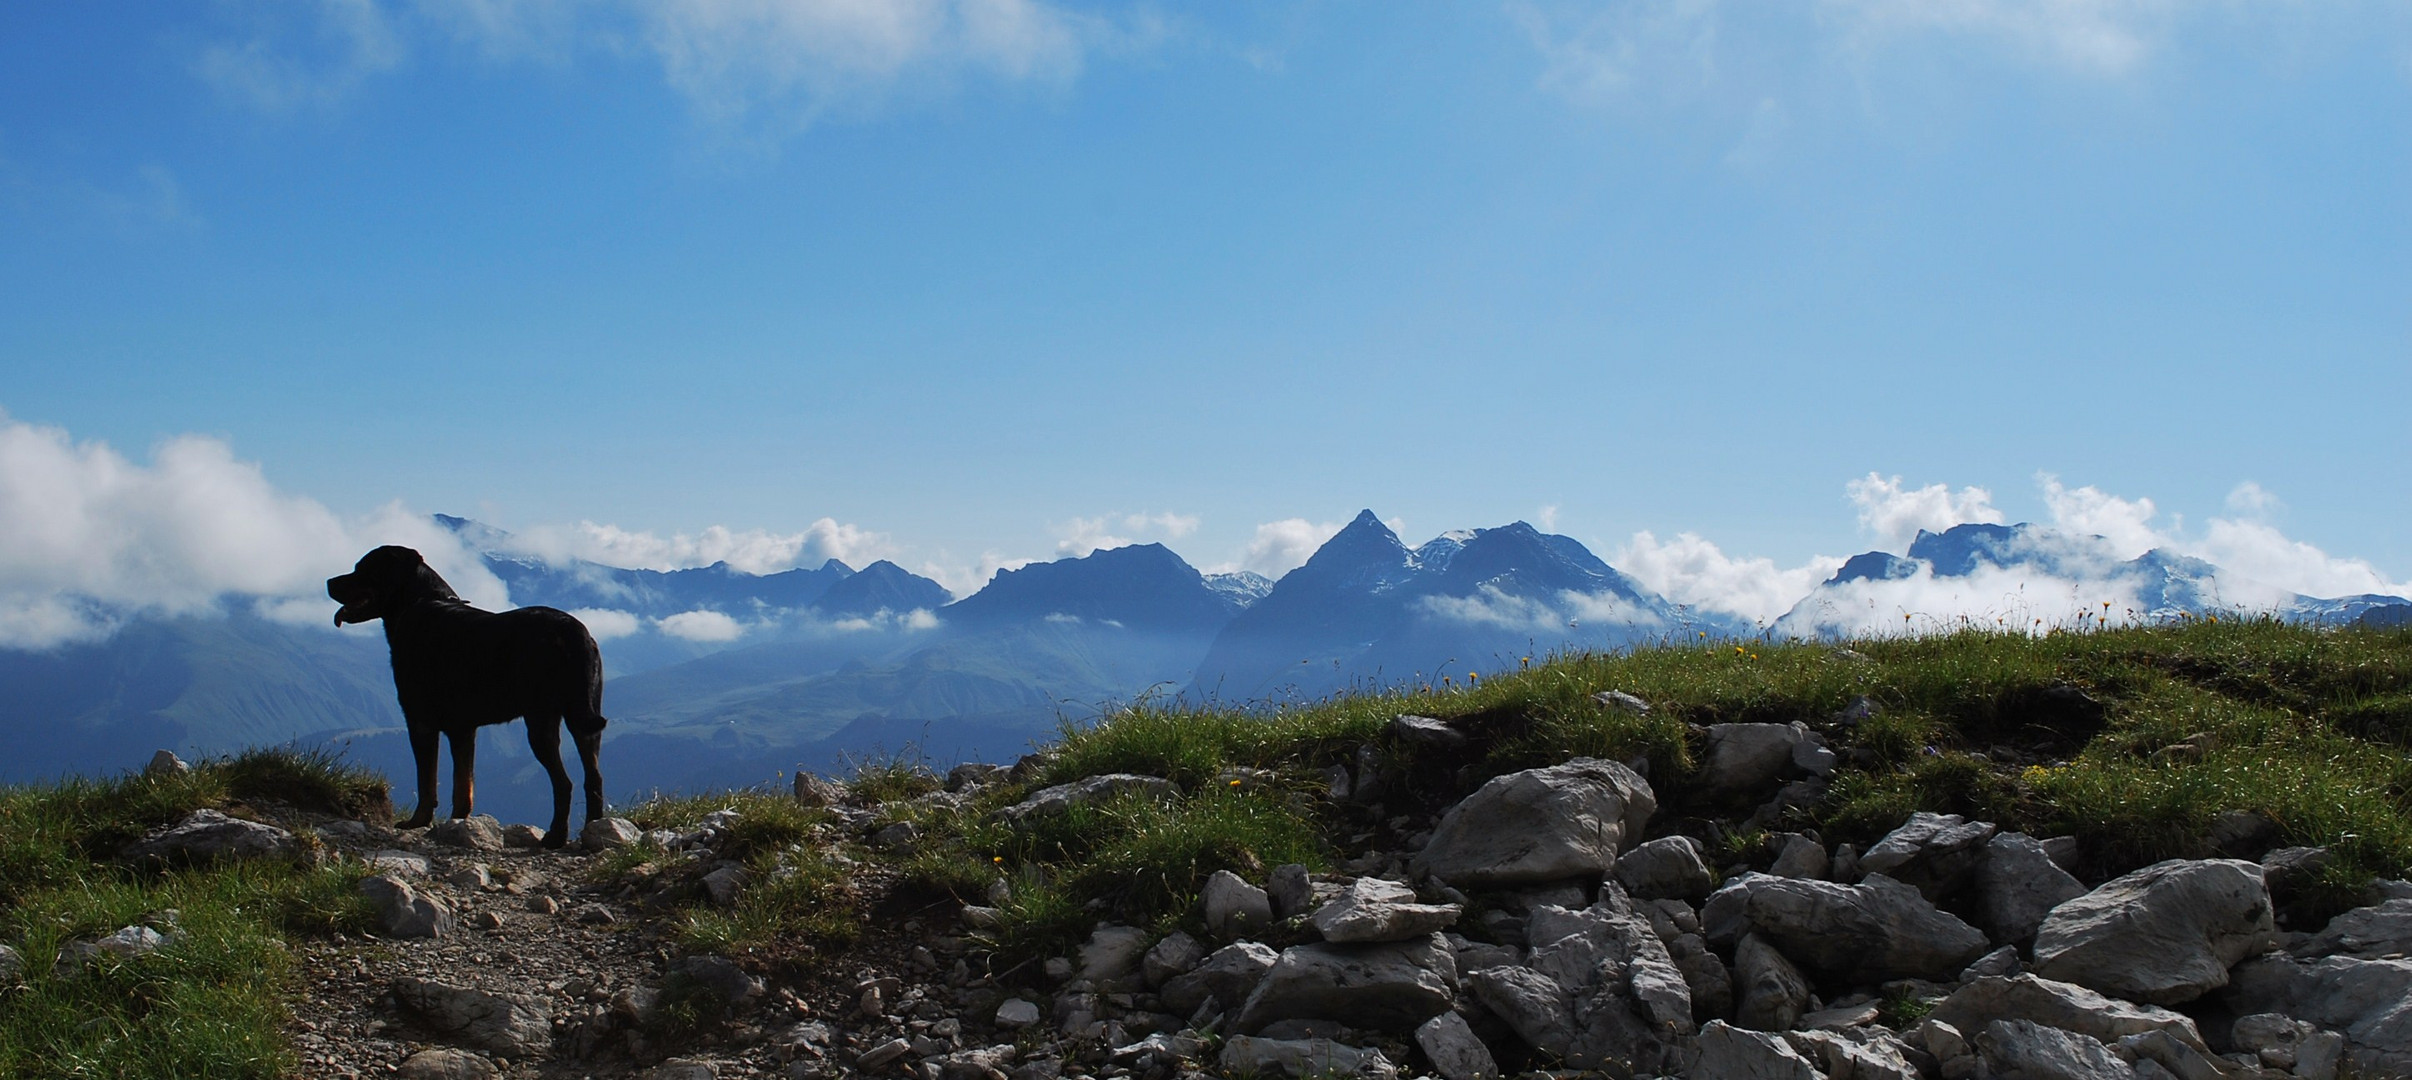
[723, 885]
[883, 1054]
[1290, 890]
[1171, 957]
[1800, 858]
[1016, 1014]
[398, 863]
[1622, 702]
[402, 912]
[543, 905]
[12, 966]
[1426, 731]
[470, 877]
[165, 763]
[595, 914]
[522, 836]
[684, 1069]
[487, 920]
[478, 833]
[444, 1063]
[603, 834]
[1234, 908]
[1376, 910]
[207, 836]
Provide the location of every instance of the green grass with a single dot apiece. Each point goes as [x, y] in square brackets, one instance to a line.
[213, 1003]
[801, 899]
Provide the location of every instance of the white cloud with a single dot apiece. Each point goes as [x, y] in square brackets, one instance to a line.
[1693, 572]
[773, 66]
[701, 625]
[1547, 518]
[1081, 536]
[608, 623]
[2253, 501]
[2013, 598]
[2088, 511]
[1549, 619]
[755, 551]
[2255, 550]
[89, 538]
[1896, 513]
[1282, 546]
[962, 581]
[307, 55]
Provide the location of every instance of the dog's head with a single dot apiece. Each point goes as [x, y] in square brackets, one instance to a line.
[383, 582]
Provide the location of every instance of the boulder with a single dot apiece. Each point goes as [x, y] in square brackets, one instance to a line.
[2368, 1001]
[1290, 890]
[1540, 825]
[2055, 1004]
[1228, 975]
[1800, 857]
[513, 1025]
[522, 836]
[2162, 935]
[1874, 931]
[1740, 759]
[12, 967]
[1933, 853]
[1170, 958]
[1668, 868]
[1088, 789]
[165, 763]
[1234, 908]
[478, 833]
[2031, 1051]
[2369, 933]
[1770, 993]
[445, 1063]
[1392, 986]
[1454, 1050]
[718, 976]
[1731, 1053]
[1705, 976]
[402, 912]
[1113, 955]
[1880, 1057]
[2017, 885]
[207, 836]
[2185, 1059]
[1376, 910]
[1611, 960]
[1302, 1058]
[603, 834]
[724, 884]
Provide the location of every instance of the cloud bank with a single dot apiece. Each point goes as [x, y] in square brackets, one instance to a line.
[90, 538]
[755, 551]
[1081, 536]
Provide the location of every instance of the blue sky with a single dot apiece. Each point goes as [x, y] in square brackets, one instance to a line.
[969, 281]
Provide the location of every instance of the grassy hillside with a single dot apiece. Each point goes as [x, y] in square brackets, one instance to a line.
[2144, 743]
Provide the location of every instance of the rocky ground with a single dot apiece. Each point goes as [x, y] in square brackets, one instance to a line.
[1552, 921]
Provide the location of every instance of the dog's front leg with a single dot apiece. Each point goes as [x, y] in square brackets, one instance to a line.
[423, 754]
[464, 770]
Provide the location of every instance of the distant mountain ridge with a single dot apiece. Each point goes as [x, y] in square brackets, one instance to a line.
[717, 675]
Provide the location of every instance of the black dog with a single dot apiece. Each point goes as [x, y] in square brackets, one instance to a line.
[457, 669]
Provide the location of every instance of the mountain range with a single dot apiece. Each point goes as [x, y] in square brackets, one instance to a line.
[718, 676]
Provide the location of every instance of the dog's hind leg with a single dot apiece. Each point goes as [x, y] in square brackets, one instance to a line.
[544, 737]
[423, 754]
[464, 770]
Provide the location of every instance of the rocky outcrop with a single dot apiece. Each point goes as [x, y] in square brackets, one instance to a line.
[1089, 789]
[208, 836]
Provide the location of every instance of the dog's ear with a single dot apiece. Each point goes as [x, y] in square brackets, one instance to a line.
[432, 583]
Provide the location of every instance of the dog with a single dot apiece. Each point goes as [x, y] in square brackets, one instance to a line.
[457, 669]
